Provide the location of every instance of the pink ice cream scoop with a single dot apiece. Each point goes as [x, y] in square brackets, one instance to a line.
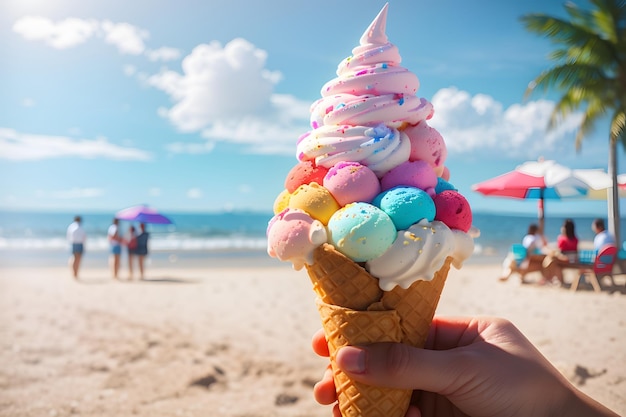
[305, 172]
[350, 182]
[292, 235]
[454, 210]
[428, 145]
[418, 174]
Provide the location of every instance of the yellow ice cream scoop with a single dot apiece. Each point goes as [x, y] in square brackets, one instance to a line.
[316, 200]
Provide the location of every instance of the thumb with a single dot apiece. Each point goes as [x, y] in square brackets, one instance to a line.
[396, 365]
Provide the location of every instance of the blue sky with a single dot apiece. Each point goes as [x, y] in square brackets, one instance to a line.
[197, 105]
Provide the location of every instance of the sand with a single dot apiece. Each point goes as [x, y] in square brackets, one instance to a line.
[235, 341]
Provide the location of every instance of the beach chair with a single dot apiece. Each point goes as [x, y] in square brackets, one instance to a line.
[521, 262]
[620, 263]
[601, 267]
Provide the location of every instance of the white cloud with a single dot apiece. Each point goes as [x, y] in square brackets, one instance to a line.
[164, 53]
[226, 93]
[127, 38]
[481, 124]
[70, 32]
[19, 146]
[64, 34]
[194, 193]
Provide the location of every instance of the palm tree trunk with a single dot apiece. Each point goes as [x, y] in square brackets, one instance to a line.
[613, 198]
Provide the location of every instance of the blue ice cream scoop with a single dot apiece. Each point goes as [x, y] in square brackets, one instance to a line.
[406, 206]
[361, 231]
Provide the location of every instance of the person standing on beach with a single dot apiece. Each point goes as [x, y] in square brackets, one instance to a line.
[131, 246]
[115, 243]
[602, 235]
[142, 248]
[76, 236]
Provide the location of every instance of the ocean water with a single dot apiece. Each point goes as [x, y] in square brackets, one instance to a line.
[40, 236]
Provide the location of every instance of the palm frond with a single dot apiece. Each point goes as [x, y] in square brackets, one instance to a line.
[565, 77]
[578, 15]
[618, 127]
[607, 17]
[558, 30]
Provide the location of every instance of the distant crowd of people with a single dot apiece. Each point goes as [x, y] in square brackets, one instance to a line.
[551, 261]
[134, 243]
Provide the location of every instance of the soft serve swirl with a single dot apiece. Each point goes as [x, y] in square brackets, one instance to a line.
[371, 88]
[370, 135]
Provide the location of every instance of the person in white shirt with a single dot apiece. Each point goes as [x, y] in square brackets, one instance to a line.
[76, 236]
[534, 241]
[602, 237]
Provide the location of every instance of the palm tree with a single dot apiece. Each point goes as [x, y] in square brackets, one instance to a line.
[590, 70]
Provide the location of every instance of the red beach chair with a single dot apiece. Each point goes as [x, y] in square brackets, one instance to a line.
[602, 267]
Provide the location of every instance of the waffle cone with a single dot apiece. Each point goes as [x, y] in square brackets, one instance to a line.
[416, 305]
[344, 326]
[355, 311]
[340, 281]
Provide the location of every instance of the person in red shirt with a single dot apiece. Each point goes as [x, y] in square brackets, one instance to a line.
[567, 243]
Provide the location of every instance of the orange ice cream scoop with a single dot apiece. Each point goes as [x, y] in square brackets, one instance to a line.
[304, 172]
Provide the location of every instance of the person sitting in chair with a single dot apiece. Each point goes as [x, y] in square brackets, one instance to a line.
[535, 243]
[602, 237]
[567, 244]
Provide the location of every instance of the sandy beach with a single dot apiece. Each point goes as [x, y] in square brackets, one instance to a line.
[229, 340]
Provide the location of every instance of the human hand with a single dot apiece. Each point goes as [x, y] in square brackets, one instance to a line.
[469, 367]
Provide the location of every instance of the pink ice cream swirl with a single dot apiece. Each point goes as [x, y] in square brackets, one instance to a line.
[362, 112]
[371, 87]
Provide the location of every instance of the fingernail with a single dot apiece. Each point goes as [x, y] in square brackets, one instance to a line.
[351, 359]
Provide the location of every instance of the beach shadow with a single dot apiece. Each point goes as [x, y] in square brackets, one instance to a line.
[616, 289]
[94, 281]
[218, 375]
[582, 374]
[604, 288]
[168, 280]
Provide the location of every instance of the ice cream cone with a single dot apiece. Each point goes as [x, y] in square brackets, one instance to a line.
[416, 305]
[371, 188]
[343, 327]
[340, 281]
[354, 310]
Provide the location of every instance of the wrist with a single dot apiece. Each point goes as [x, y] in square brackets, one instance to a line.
[577, 403]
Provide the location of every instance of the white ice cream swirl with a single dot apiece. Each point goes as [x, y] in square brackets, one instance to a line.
[380, 148]
[419, 252]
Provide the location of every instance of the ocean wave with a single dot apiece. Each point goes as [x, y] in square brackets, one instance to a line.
[157, 244]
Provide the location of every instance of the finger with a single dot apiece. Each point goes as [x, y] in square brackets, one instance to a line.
[320, 346]
[396, 365]
[413, 411]
[450, 332]
[324, 391]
